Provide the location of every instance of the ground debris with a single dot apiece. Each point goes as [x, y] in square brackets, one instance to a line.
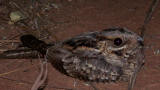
[17, 16]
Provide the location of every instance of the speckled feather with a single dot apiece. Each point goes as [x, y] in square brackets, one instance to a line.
[110, 55]
[93, 56]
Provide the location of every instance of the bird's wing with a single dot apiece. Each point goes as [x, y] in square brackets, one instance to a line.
[90, 65]
[87, 39]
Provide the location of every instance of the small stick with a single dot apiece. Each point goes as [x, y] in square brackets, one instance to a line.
[6, 73]
[9, 41]
[29, 83]
[42, 76]
[143, 30]
[149, 16]
[10, 38]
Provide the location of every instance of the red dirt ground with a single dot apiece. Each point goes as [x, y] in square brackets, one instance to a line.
[71, 18]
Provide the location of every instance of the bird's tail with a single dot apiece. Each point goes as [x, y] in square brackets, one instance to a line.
[33, 43]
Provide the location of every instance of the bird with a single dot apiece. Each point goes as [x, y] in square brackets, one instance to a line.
[109, 55]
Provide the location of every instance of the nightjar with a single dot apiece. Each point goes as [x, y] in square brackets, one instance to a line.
[114, 54]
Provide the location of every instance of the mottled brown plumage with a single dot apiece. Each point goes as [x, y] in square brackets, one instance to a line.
[114, 54]
[94, 56]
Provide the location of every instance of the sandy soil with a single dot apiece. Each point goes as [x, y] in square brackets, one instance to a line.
[61, 19]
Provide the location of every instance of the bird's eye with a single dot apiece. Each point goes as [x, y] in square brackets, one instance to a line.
[117, 41]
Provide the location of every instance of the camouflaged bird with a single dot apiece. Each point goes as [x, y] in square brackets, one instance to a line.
[114, 54]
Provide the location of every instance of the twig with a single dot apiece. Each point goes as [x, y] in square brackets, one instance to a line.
[4, 43]
[42, 76]
[149, 16]
[3, 49]
[9, 41]
[143, 29]
[6, 73]
[29, 83]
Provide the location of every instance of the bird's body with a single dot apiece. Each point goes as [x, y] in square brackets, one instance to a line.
[109, 55]
[94, 56]
[114, 54]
